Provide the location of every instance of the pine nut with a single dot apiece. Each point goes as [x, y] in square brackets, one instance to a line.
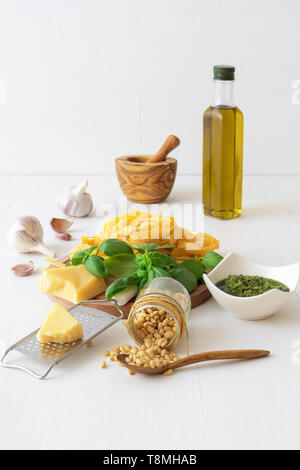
[169, 334]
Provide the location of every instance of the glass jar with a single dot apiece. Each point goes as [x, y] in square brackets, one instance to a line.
[167, 294]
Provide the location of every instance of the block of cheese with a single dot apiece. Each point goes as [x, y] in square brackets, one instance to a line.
[59, 327]
[73, 283]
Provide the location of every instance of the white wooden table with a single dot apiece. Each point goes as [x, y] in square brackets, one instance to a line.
[240, 405]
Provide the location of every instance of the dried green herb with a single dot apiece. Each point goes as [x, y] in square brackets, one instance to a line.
[248, 286]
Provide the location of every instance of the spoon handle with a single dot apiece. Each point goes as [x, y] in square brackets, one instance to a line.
[170, 144]
[217, 355]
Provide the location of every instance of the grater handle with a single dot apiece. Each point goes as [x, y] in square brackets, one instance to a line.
[96, 301]
[25, 369]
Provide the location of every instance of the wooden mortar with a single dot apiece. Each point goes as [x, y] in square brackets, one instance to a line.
[148, 179]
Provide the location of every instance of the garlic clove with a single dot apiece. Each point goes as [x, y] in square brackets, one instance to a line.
[23, 270]
[63, 236]
[60, 225]
[75, 201]
[80, 188]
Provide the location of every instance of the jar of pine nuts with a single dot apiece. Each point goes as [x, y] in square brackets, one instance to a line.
[159, 314]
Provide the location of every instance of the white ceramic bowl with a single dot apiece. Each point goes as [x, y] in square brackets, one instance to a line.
[257, 307]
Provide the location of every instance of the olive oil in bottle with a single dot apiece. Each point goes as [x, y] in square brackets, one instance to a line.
[222, 150]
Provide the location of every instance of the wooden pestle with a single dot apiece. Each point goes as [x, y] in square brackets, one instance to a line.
[170, 144]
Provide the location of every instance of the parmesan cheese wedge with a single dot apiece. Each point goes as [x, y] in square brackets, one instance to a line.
[59, 327]
[73, 283]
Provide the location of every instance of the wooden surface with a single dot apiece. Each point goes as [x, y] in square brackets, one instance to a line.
[198, 296]
[144, 182]
[221, 405]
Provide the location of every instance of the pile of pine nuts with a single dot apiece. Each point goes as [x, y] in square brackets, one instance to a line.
[156, 328]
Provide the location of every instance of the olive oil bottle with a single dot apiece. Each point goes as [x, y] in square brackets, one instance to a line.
[222, 150]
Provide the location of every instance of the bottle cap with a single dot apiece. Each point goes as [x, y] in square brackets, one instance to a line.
[224, 72]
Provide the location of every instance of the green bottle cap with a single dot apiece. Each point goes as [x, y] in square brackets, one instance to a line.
[224, 72]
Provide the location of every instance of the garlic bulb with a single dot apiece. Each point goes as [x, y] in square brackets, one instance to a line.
[74, 201]
[26, 236]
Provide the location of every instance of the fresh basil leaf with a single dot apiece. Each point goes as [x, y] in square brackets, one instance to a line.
[147, 260]
[195, 266]
[135, 247]
[167, 247]
[161, 260]
[211, 259]
[121, 265]
[160, 272]
[143, 261]
[80, 256]
[113, 246]
[120, 284]
[95, 265]
[148, 247]
[185, 277]
[145, 247]
[142, 273]
[140, 260]
[150, 274]
[142, 283]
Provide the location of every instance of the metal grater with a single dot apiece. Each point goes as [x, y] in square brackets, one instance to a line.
[93, 322]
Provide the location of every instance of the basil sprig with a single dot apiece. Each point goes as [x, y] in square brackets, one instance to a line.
[147, 264]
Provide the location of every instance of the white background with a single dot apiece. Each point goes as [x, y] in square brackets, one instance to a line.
[89, 80]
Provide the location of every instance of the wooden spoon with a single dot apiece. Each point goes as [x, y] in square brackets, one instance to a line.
[170, 144]
[206, 356]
